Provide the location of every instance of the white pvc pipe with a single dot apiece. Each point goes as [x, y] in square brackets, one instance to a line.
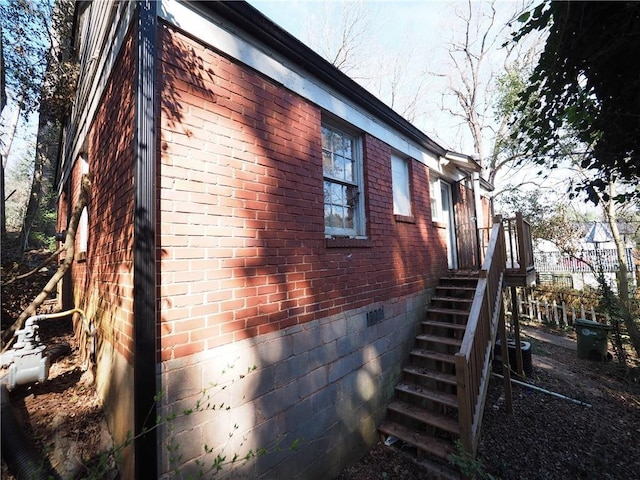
[549, 392]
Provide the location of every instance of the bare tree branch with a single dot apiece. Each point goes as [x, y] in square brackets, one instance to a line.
[69, 247]
[48, 260]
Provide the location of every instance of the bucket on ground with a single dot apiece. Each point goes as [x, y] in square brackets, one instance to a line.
[592, 339]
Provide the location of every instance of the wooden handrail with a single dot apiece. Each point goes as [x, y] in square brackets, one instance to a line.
[473, 361]
[519, 245]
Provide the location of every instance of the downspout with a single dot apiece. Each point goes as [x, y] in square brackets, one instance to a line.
[144, 264]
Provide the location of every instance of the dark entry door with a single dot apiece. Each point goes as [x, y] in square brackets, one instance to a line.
[466, 228]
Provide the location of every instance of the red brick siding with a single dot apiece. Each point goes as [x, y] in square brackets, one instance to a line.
[241, 218]
[103, 285]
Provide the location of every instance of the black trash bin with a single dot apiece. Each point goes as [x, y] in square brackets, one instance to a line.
[592, 339]
[525, 348]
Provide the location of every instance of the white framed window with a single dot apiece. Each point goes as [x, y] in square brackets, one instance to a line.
[343, 183]
[401, 186]
[436, 199]
[83, 225]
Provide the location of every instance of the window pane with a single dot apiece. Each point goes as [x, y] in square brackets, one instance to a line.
[326, 139]
[336, 143]
[337, 194]
[434, 187]
[351, 193]
[339, 167]
[327, 163]
[336, 217]
[348, 170]
[347, 147]
[401, 190]
[333, 216]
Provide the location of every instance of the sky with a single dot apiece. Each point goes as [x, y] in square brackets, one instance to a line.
[418, 29]
[394, 25]
[395, 16]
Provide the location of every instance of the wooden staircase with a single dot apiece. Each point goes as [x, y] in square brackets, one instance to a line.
[441, 395]
[424, 412]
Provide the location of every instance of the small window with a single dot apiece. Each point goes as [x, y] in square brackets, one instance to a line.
[401, 186]
[83, 226]
[342, 171]
[436, 203]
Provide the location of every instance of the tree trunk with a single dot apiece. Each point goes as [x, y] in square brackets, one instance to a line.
[3, 211]
[41, 187]
[621, 274]
[6, 148]
[69, 247]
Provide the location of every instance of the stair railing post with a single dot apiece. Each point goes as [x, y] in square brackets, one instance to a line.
[464, 403]
[506, 367]
[515, 323]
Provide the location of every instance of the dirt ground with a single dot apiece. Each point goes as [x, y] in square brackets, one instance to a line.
[63, 416]
[545, 438]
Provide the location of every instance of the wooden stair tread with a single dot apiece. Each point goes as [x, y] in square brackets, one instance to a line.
[442, 357]
[452, 299]
[423, 415]
[431, 374]
[457, 287]
[448, 311]
[435, 446]
[435, 323]
[426, 393]
[455, 342]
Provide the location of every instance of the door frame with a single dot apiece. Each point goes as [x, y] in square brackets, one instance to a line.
[448, 217]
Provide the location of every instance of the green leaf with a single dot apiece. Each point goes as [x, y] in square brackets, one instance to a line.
[524, 17]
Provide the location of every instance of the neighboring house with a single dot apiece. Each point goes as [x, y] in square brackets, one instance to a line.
[596, 249]
[251, 207]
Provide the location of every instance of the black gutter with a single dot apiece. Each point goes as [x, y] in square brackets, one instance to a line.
[144, 265]
[263, 29]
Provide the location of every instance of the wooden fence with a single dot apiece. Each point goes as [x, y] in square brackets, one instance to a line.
[554, 308]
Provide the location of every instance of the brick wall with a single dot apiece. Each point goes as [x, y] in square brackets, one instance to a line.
[102, 282]
[111, 159]
[241, 217]
[249, 282]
